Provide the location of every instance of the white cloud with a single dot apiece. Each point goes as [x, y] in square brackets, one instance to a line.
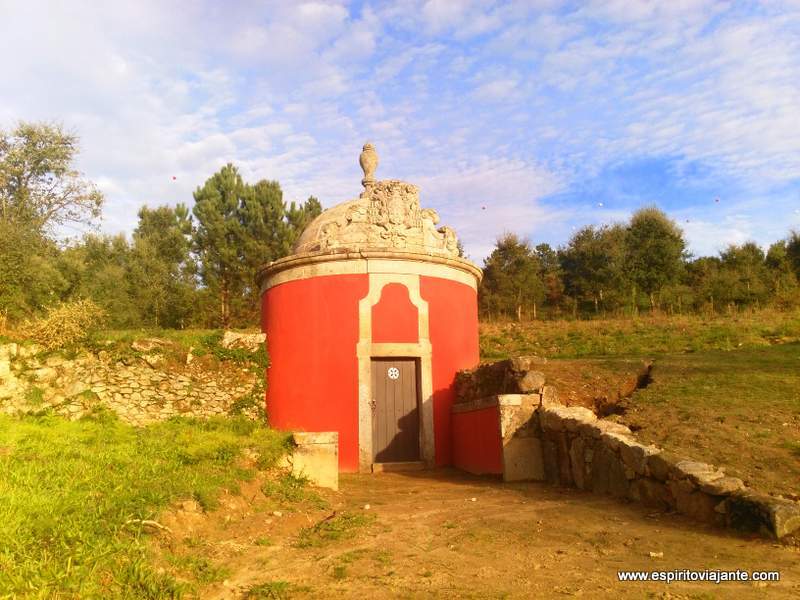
[481, 103]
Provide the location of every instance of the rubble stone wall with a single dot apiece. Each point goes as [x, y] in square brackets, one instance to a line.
[140, 392]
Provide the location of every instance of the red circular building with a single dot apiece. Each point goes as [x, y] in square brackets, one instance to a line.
[367, 324]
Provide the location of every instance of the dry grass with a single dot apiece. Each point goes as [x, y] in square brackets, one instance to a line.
[65, 325]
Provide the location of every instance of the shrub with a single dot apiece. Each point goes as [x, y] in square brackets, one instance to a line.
[67, 324]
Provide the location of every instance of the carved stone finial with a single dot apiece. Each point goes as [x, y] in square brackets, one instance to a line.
[369, 162]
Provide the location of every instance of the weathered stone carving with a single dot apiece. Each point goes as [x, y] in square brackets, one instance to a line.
[369, 162]
[387, 215]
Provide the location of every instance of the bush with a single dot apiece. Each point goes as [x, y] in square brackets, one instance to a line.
[67, 324]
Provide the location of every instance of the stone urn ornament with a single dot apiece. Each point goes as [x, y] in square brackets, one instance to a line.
[369, 162]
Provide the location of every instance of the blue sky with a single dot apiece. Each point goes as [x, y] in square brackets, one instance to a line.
[551, 115]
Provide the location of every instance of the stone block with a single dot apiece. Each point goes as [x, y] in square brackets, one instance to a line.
[247, 341]
[635, 455]
[550, 459]
[697, 472]
[693, 503]
[651, 493]
[523, 459]
[753, 512]
[549, 396]
[564, 465]
[608, 474]
[8, 351]
[316, 457]
[45, 374]
[531, 381]
[577, 458]
[722, 486]
[662, 465]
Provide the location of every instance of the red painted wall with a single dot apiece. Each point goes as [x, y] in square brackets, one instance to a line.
[312, 381]
[477, 447]
[394, 318]
[312, 332]
[453, 322]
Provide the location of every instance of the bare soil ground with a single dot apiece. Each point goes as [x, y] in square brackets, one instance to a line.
[446, 534]
[599, 384]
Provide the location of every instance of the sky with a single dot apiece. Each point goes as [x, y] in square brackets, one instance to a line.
[532, 117]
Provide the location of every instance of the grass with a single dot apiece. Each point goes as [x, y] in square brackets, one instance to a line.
[637, 337]
[288, 490]
[339, 527]
[740, 410]
[271, 590]
[71, 493]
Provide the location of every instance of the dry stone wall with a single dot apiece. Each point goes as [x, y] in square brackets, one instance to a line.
[141, 390]
[580, 450]
[544, 440]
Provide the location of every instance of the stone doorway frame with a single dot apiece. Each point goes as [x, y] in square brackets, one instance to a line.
[366, 350]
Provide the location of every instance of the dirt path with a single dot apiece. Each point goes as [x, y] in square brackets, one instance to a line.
[445, 534]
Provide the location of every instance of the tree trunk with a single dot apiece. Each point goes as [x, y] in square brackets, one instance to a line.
[534, 310]
[519, 312]
[225, 305]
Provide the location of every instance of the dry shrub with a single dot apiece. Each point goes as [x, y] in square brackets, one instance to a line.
[66, 324]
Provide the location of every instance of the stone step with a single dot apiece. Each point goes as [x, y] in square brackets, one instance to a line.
[394, 467]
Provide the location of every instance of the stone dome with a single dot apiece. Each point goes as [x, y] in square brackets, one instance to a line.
[386, 216]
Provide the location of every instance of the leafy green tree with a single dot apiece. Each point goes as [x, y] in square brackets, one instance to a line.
[747, 273]
[161, 269]
[217, 208]
[592, 264]
[552, 276]
[98, 268]
[239, 228]
[654, 252]
[298, 217]
[793, 252]
[38, 185]
[29, 277]
[39, 190]
[511, 278]
[784, 283]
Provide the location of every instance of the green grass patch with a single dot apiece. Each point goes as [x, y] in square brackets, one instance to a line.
[339, 527]
[289, 490]
[637, 337]
[738, 410]
[34, 396]
[70, 491]
[199, 568]
[272, 590]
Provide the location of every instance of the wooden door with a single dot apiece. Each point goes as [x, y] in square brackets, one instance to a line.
[395, 412]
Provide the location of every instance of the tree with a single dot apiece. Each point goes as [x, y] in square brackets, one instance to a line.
[161, 269]
[654, 252]
[98, 268]
[29, 277]
[39, 187]
[218, 235]
[793, 252]
[552, 275]
[239, 228]
[592, 264]
[511, 278]
[747, 270]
